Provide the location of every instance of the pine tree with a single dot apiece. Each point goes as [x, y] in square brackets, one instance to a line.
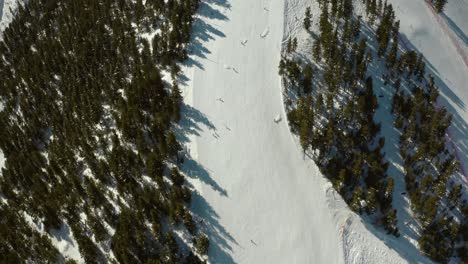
[176, 101]
[306, 121]
[307, 19]
[316, 50]
[392, 55]
[440, 5]
[289, 46]
[294, 44]
[202, 244]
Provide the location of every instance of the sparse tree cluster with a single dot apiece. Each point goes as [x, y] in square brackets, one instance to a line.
[333, 117]
[429, 166]
[334, 113]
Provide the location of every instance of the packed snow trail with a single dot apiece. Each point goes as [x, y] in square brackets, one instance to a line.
[261, 201]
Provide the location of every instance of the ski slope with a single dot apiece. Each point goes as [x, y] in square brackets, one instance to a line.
[259, 198]
[263, 202]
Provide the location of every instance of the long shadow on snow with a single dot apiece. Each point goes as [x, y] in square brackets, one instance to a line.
[459, 129]
[456, 29]
[220, 238]
[193, 122]
[203, 31]
[407, 225]
[190, 124]
[443, 87]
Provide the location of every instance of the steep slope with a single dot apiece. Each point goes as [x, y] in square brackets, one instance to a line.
[262, 203]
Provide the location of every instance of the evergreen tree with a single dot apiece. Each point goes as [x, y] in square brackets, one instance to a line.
[440, 5]
[307, 19]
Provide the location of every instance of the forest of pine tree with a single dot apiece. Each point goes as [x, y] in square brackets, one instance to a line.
[331, 106]
[88, 132]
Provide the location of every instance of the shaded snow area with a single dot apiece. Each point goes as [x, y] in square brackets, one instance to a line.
[362, 240]
[442, 39]
[7, 10]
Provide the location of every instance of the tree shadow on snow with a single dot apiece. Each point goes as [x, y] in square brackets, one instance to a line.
[455, 28]
[193, 122]
[204, 30]
[407, 225]
[220, 239]
[190, 123]
[458, 131]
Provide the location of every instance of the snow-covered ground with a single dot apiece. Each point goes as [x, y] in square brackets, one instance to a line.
[262, 200]
[259, 197]
[442, 40]
[7, 9]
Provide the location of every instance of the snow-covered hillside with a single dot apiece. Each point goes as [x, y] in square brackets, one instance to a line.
[258, 196]
[442, 39]
[262, 200]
